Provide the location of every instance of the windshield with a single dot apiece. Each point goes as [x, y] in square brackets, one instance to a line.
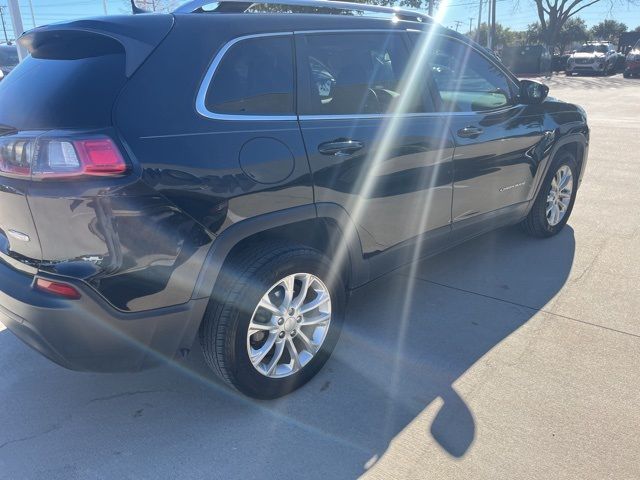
[593, 48]
[8, 56]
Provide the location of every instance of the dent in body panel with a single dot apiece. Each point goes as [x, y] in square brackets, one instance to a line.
[202, 175]
[129, 243]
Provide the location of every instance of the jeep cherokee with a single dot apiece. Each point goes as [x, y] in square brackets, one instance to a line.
[230, 171]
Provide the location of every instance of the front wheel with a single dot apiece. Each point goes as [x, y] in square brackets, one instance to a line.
[554, 203]
[274, 319]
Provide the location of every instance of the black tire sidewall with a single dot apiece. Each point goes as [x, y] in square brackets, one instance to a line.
[243, 374]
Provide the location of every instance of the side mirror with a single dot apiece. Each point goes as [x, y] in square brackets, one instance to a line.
[532, 92]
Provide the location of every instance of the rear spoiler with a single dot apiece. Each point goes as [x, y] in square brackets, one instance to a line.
[136, 36]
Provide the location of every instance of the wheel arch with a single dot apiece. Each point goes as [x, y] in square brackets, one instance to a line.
[323, 226]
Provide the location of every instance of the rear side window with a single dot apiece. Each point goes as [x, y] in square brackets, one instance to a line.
[355, 74]
[254, 77]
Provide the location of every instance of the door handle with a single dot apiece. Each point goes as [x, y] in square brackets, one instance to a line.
[470, 132]
[340, 146]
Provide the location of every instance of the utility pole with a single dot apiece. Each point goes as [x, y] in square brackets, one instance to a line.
[458, 23]
[4, 26]
[471, 19]
[431, 8]
[33, 15]
[18, 29]
[489, 29]
[493, 24]
[479, 21]
[104, 5]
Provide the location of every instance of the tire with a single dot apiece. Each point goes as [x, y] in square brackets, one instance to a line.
[626, 75]
[537, 224]
[243, 283]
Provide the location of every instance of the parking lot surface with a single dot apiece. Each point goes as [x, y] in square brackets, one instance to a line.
[507, 357]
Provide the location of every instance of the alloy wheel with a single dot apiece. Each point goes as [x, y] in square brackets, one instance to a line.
[559, 196]
[289, 325]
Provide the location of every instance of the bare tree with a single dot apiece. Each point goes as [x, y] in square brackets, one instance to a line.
[553, 14]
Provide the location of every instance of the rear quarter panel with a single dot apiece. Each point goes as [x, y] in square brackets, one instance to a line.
[192, 161]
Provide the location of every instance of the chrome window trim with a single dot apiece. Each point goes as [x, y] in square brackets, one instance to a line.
[351, 30]
[201, 106]
[206, 82]
[368, 116]
[201, 98]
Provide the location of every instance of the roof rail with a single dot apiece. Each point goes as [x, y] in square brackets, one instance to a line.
[241, 6]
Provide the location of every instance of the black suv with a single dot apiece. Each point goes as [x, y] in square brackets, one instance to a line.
[232, 172]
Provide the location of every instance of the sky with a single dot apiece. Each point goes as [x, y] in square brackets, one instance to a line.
[515, 14]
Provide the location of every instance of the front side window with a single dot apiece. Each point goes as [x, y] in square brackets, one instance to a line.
[255, 77]
[463, 79]
[355, 74]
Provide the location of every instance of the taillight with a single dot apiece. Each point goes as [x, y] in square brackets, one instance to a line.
[15, 155]
[60, 289]
[44, 157]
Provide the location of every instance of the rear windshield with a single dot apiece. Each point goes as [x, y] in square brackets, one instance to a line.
[48, 93]
[8, 57]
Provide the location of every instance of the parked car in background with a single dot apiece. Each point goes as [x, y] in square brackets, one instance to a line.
[627, 41]
[527, 59]
[240, 195]
[593, 57]
[559, 62]
[632, 63]
[8, 59]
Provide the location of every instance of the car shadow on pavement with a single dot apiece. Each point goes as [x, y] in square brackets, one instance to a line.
[409, 338]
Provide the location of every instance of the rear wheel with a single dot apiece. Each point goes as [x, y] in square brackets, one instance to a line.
[274, 319]
[554, 203]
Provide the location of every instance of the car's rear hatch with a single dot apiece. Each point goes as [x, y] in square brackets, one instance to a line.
[69, 83]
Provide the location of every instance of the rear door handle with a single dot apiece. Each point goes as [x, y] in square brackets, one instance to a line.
[340, 146]
[470, 132]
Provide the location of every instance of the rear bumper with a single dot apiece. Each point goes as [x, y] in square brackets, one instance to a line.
[88, 334]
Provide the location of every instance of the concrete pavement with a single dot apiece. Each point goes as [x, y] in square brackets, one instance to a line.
[519, 358]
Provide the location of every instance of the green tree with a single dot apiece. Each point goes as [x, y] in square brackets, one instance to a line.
[504, 35]
[534, 33]
[608, 30]
[574, 30]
